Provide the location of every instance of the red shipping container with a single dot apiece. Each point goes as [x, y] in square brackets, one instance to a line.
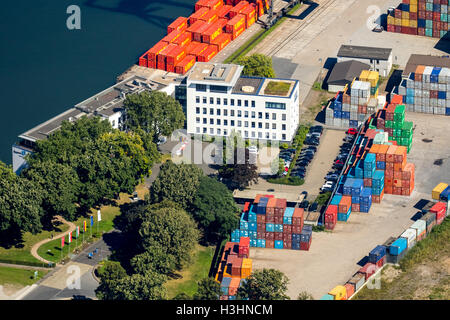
[287, 228]
[278, 220]
[184, 39]
[210, 17]
[305, 245]
[297, 229]
[235, 24]
[368, 270]
[238, 8]
[152, 64]
[185, 64]
[175, 56]
[331, 213]
[170, 68]
[367, 182]
[197, 15]
[355, 207]
[270, 218]
[143, 61]
[236, 267]
[223, 12]
[161, 65]
[377, 199]
[180, 24]
[270, 244]
[287, 236]
[237, 33]
[278, 236]
[350, 290]
[156, 49]
[330, 225]
[222, 41]
[171, 37]
[269, 236]
[214, 4]
[287, 244]
[397, 190]
[381, 262]
[261, 218]
[297, 217]
[439, 209]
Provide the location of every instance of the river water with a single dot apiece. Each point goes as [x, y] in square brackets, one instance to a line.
[45, 68]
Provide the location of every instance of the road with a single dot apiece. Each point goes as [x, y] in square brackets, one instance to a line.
[57, 284]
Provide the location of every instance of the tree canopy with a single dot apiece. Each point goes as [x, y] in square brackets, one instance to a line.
[214, 209]
[177, 183]
[156, 113]
[241, 171]
[257, 65]
[208, 289]
[265, 284]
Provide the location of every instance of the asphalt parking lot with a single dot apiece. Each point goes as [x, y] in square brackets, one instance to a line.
[334, 256]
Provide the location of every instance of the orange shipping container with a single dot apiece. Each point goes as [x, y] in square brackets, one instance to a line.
[214, 4]
[197, 35]
[175, 56]
[408, 171]
[183, 40]
[210, 17]
[271, 204]
[163, 54]
[238, 8]
[212, 32]
[170, 68]
[237, 33]
[350, 290]
[246, 269]
[250, 22]
[400, 154]
[374, 149]
[152, 64]
[224, 11]
[234, 285]
[399, 166]
[197, 15]
[381, 154]
[390, 153]
[222, 41]
[208, 54]
[260, 8]
[156, 49]
[143, 60]
[345, 204]
[235, 24]
[171, 37]
[184, 65]
[197, 51]
[180, 24]
[201, 4]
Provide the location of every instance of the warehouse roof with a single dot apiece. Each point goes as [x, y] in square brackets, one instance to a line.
[344, 72]
[425, 60]
[364, 52]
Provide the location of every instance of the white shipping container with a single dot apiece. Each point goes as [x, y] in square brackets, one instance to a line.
[410, 108]
[337, 122]
[329, 122]
[417, 85]
[354, 108]
[420, 226]
[426, 74]
[418, 108]
[442, 86]
[435, 110]
[433, 102]
[447, 104]
[426, 86]
[444, 75]
[426, 94]
[345, 123]
[346, 107]
[434, 86]
[441, 103]
[410, 236]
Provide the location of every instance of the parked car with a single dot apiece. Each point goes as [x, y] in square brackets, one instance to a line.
[305, 193]
[338, 166]
[304, 204]
[378, 28]
[312, 141]
[327, 185]
[316, 129]
[352, 131]
[332, 177]
[339, 162]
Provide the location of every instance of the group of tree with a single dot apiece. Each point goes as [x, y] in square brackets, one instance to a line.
[257, 65]
[84, 163]
[165, 237]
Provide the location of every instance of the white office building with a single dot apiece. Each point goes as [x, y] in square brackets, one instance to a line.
[220, 100]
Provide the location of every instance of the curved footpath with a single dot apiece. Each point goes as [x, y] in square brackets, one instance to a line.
[36, 246]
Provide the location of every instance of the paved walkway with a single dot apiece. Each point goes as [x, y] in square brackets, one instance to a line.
[35, 247]
[21, 266]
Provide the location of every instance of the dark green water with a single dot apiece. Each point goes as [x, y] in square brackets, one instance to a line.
[46, 68]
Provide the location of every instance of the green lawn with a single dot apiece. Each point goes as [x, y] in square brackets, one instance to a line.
[21, 253]
[19, 276]
[193, 273]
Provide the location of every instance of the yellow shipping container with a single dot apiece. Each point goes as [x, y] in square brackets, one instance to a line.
[373, 78]
[405, 15]
[375, 95]
[413, 23]
[364, 75]
[405, 23]
[398, 22]
[246, 269]
[412, 2]
[339, 293]
[413, 8]
[437, 190]
[391, 20]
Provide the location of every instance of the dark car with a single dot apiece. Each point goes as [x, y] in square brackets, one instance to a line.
[302, 164]
[312, 141]
[305, 193]
[313, 207]
[338, 166]
[332, 177]
[313, 148]
[304, 204]
[316, 129]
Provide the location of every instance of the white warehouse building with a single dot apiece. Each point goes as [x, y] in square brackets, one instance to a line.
[220, 100]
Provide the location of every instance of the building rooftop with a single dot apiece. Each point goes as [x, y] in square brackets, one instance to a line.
[246, 85]
[258, 86]
[425, 60]
[105, 104]
[344, 72]
[214, 73]
[364, 52]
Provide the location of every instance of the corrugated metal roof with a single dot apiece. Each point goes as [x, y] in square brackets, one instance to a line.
[364, 52]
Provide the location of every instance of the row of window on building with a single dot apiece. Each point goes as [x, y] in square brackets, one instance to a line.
[232, 113]
[219, 101]
[245, 133]
[239, 123]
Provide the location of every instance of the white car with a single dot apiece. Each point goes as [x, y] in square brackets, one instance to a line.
[327, 185]
[253, 149]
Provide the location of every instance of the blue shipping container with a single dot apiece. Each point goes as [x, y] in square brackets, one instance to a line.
[270, 227]
[381, 165]
[278, 227]
[398, 246]
[278, 244]
[253, 243]
[377, 254]
[287, 217]
[336, 199]
[261, 243]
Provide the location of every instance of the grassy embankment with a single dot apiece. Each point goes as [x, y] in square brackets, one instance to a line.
[18, 276]
[424, 272]
[190, 275]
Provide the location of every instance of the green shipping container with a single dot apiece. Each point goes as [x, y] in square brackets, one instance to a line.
[429, 6]
[388, 124]
[443, 17]
[428, 24]
[429, 32]
[399, 112]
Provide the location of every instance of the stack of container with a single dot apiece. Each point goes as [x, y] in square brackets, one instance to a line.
[427, 90]
[440, 192]
[351, 107]
[235, 266]
[211, 27]
[269, 223]
[420, 17]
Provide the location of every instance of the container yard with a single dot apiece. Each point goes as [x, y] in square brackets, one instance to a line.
[214, 23]
[419, 17]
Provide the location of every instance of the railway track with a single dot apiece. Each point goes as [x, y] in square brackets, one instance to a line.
[317, 13]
